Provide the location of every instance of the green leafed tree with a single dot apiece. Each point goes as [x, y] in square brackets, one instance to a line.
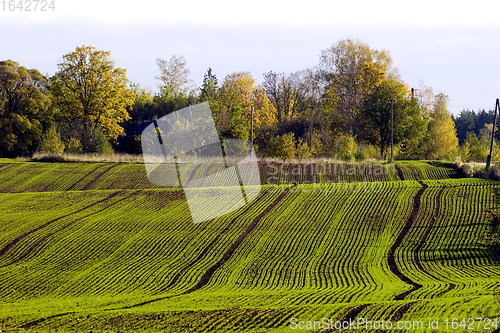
[176, 90]
[25, 112]
[238, 124]
[89, 89]
[349, 70]
[343, 147]
[174, 75]
[441, 140]
[409, 125]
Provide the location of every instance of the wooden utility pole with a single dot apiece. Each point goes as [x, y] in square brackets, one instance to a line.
[251, 130]
[392, 131]
[488, 159]
[311, 128]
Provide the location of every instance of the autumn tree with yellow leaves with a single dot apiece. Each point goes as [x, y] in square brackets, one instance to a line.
[237, 96]
[441, 140]
[349, 70]
[89, 89]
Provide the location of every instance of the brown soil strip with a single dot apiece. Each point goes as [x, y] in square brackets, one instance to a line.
[399, 314]
[208, 274]
[390, 256]
[38, 321]
[401, 311]
[96, 178]
[451, 286]
[16, 240]
[414, 172]
[400, 172]
[72, 188]
[309, 176]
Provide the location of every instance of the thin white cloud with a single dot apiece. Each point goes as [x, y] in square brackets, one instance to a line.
[422, 13]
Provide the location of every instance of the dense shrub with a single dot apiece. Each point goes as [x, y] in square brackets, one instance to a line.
[51, 142]
[344, 147]
[283, 146]
[94, 141]
[74, 146]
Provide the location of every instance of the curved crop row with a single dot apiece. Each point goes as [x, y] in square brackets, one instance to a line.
[427, 170]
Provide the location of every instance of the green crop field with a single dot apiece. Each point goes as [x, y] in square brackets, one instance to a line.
[94, 247]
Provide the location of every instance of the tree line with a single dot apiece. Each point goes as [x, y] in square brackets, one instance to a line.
[339, 109]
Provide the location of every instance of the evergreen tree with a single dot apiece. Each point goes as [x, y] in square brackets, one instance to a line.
[210, 93]
[471, 121]
[464, 123]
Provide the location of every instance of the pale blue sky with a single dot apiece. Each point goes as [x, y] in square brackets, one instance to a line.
[451, 47]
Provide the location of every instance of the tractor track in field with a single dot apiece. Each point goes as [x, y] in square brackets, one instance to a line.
[427, 231]
[416, 257]
[206, 276]
[400, 172]
[451, 286]
[398, 315]
[41, 240]
[351, 315]
[209, 273]
[96, 178]
[392, 263]
[193, 174]
[19, 238]
[72, 187]
[41, 320]
[390, 256]
[401, 311]
[207, 248]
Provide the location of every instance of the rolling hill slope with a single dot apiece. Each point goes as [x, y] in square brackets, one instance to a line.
[95, 247]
